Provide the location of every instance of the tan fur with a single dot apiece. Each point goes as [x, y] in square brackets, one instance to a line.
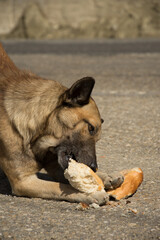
[31, 122]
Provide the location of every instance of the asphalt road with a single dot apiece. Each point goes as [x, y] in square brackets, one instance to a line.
[127, 92]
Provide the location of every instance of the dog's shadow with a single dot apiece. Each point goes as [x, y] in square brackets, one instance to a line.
[5, 187]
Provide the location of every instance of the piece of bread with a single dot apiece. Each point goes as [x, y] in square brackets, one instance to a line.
[132, 180]
[82, 178]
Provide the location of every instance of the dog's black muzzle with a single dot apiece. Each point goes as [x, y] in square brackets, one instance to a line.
[82, 152]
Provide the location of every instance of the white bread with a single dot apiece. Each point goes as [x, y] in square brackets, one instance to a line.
[132, 180]
[82, 178]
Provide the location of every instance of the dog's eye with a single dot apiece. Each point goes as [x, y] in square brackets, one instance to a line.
[91, 129]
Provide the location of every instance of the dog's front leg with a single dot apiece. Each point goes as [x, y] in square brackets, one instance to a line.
[34, 187]
[111, 181]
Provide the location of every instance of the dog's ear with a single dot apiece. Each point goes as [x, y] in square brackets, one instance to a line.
[80, 91]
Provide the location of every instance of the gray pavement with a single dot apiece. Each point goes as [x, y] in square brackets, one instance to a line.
[127, 92]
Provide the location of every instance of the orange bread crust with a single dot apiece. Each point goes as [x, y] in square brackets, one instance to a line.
[132, 180]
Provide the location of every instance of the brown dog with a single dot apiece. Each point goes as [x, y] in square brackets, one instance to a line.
[42, 125]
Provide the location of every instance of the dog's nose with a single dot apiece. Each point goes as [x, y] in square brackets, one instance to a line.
[94, 167]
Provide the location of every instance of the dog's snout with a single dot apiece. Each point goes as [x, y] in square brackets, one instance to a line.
[94, 167]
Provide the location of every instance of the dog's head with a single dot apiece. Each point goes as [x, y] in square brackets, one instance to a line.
[73, 128]
[77, 124]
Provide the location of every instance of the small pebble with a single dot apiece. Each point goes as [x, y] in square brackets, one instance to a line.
[133, 210]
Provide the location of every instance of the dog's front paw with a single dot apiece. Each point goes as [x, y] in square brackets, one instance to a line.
[111, 181]
[98, 197]
[116, 180]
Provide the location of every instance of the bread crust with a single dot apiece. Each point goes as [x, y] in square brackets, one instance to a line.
[132, 180]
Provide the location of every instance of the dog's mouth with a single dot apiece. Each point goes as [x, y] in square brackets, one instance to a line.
[80, 152]
[70, 156]
[64, 156]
